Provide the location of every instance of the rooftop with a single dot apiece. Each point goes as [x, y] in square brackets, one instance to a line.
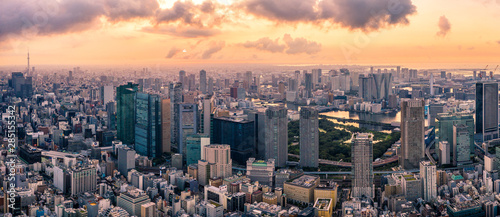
[304, 181]
[323, 203]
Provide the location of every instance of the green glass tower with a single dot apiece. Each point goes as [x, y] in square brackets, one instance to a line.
[125, 110]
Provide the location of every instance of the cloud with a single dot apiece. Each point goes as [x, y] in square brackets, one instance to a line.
[189, 13]
[444, 26]
[300, 45]
[214, 48]
[290, 45]
[185, 32]
[24, 19]
[173, 51]
[366, 15]
[266, 44]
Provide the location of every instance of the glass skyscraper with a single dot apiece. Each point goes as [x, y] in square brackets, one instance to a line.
[125, 102]
[486, 111]
[238, 133]
[148, 141]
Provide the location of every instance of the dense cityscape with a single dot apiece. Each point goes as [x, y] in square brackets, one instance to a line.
[249, 108]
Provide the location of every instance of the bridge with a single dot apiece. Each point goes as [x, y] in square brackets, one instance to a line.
[348, 164]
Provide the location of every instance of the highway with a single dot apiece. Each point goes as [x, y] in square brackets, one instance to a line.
[348, 164]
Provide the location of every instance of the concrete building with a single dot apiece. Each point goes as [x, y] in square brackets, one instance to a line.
[428, 176]
[309, 137]
[362, 169]
[132, 201]
[412, 133]
[166, 125]
[301, 189]
[461, 145]
[203, 81]
[148, 210]
[276, 134]
[216, 163]
[126, 160]
[261, 171]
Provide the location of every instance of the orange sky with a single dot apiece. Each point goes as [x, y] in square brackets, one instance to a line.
[244, 31]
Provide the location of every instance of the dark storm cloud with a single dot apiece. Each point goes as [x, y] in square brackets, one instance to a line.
[300, 45]
[184, 32]
[353, 14]
[44, 17]
[290, 45]
[444, 26]
[266, 44]
[214, 47]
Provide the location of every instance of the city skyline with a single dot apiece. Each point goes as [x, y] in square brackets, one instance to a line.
[216, 32]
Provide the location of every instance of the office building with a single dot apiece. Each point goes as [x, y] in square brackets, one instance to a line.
[309, 137]
[486, 111]
[75, 180]
[261, 171]
[166, 124]
[186, 122]
[182, 76]
[126, 160]
[434, 110]
[206, 116]
[309, 85]
[203, 81]
[217, 162]
[148, 136]
[461, 145]
[362, 165]
[412, 133]
[132, 201]
[444, 153]
[238, 133]
[383, 85]
[125, 107]
[23, 86]
[107, 94]
[429, 180]
[148, 210]
[301, 189]
[195, 144]
[446, 121]
[366, 87]
[175, 91]
[276, 131]
[412, 186]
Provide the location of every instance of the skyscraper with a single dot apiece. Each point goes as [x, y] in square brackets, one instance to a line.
[203, 81]
[434, 110]
[248, 80]
[220, 157]
[446, 121]
[238, 133]
[206, 116]
[182, 76]
[107, 94]
[195, 146]
[412, 133]
[186, 123]
[166, 124]
[309, 137]
[23, 86]
[125, 107]
[366, 87]
[309, 85]
[362, 165]
[175, 91]
[486, 111]
[383, 85]
[277, 134]
[429, 183]
[126, 160]
[148, 118]
[461, 145]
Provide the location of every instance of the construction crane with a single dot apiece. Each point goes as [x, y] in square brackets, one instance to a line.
[485, 67]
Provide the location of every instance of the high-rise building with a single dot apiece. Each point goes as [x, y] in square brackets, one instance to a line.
[309, 137]
[206, 116]
[125, 107]
[486, 111]
[219, 156]
[166, 124]
[182, 76]
[445, 123]
[126, 160]
[431, 84]
[383, 85]
[261, 171]
[444, 153]
[362, 165]
[210, 86]
[76, 179]
[429, 183]
[107, 94]
[148, 136]
[195, 145]
[309, 85]
[23, 86]
[366, 87]
[461, 145]
[276, 131]
[238, 133]
[203, 81]
[434, 110]
[175, 91]
[248, 80]
[186, 123]
[412, 133]
[316, 75]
